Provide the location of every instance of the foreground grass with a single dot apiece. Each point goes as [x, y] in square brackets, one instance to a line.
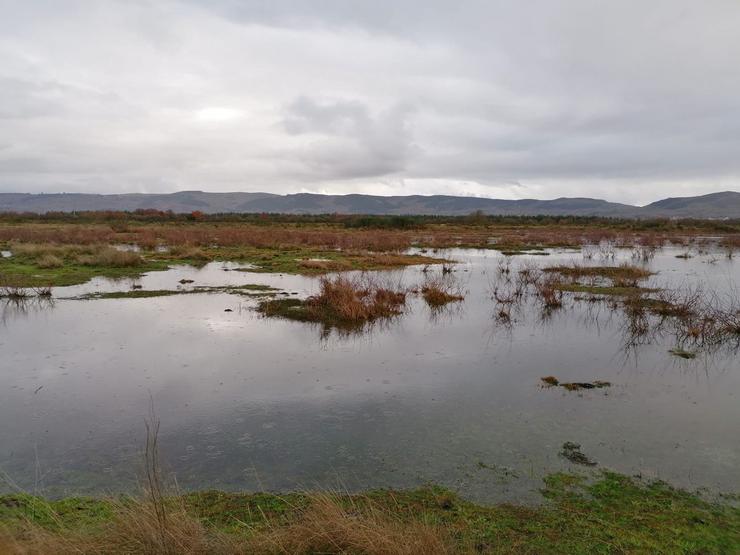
[611, 514]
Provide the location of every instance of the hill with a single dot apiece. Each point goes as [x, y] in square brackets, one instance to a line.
[715, 206]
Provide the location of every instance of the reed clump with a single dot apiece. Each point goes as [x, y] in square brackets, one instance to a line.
[437, 292]
[549, 292]
[342, 301]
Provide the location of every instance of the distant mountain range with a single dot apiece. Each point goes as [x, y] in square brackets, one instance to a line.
[716, 205]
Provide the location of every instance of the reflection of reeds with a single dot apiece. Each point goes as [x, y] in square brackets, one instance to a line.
[21, 306]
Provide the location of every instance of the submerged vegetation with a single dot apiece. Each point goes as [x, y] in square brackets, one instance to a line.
[609, 513]
[552, 381]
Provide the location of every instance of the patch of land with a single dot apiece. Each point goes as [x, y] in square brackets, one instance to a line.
[622, 272]
[604, 289]
[610, 513]
[249, 290]
[341, 303]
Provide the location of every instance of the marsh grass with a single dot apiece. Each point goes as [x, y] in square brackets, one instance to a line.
[606, 514]
[342, 302]
[623, 273]
[438, 292]
[49, 261]
[549, 293]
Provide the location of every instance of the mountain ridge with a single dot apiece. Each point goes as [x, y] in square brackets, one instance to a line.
[719, 205]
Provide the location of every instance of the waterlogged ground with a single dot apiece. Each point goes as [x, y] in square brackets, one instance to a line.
[452, 396]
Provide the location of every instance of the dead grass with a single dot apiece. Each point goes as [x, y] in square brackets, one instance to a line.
[111, 258]
[549, 292]
[49, 261]
[342, 301]
[438, 292]
[330, 526]
[188, 252]
[282, 235]
[49, 256]
[620, 275]
[327, 525]
[324, 265]
[355, 300]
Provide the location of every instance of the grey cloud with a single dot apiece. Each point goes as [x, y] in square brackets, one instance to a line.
[550, 96]
[349, 141]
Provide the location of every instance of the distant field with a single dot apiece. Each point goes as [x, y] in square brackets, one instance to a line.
[69, 248]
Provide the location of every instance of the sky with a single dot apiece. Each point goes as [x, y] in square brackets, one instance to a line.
[629, 101]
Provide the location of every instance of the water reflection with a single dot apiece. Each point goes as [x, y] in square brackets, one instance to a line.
[249, 403]
[20, 306]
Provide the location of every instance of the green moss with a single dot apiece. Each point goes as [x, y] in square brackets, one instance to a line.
[608, 513]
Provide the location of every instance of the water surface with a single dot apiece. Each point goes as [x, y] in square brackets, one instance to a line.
[451, 397]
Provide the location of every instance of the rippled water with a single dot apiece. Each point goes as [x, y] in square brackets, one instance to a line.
[451, 397]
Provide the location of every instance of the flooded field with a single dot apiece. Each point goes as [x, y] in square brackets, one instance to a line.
[452, 395]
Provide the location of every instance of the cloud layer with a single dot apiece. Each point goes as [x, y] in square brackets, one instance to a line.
[629, 101]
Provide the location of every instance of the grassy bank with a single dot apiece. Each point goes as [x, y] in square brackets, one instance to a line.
[609, 514]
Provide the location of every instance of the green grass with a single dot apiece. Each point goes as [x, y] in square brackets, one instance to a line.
[33, 270]
[308, 261]
[23, 273]
[607, 514]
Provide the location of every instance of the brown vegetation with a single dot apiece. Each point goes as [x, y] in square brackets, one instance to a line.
[438, 292]
[549, 293]
[341, 301]
[620, 275]
[333, 233]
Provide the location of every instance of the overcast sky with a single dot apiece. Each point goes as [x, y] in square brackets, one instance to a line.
[624, 100]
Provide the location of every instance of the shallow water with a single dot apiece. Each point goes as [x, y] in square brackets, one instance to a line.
[451, 397]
